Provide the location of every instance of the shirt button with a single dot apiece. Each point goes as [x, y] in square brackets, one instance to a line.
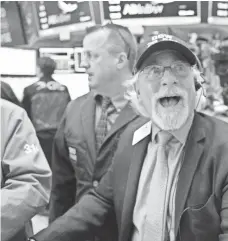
[95, 183]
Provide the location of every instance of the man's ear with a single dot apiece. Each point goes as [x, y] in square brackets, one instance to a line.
[121, 60]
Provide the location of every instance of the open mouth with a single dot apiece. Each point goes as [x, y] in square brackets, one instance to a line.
[169, 101]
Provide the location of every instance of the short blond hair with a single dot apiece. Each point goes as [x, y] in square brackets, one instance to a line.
[119, 38]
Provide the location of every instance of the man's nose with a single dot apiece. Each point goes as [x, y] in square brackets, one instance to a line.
[168, 78]
[84, 63]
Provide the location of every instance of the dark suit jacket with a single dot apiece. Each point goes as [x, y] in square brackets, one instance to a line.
[201, 210]
[77, 167]
[45, 102]
[37, 89]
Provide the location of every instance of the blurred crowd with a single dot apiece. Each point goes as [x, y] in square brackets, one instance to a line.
[213, 54]
[79, 139]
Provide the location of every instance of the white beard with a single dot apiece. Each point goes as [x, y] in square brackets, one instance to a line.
[170, 118]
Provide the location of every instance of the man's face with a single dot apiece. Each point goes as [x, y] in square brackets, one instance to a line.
[168, 98]
[205, 50]
[99, 63]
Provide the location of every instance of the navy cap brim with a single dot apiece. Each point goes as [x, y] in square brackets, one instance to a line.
[170, 45]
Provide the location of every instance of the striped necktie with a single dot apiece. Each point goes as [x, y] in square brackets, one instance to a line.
[101, 130]
[155, 221]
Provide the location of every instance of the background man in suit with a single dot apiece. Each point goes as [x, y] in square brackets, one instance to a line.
[170, 183]
[88, 134]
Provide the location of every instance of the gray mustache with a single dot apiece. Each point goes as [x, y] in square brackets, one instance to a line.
[170, 93]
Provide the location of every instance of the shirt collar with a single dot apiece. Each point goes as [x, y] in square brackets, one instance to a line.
[155, 129]
[119, 101]
[180, 134]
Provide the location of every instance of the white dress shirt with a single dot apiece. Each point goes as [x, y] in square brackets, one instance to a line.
[175, 156]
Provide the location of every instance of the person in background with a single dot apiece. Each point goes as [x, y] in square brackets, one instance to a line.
[169, 178]
[221, 63]
[8, 94]
[45, 102]
[25, 174]
[88, 135]
[202, 43]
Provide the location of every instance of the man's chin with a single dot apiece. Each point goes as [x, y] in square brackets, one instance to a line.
[92, 84]
[170, 118]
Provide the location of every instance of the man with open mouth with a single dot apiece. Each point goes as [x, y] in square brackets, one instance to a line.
[166, 78]
[169, 177]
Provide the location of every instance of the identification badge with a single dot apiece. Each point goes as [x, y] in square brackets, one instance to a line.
[72, 153]
[142, 132]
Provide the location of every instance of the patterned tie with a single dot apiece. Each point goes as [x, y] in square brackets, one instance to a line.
[155, 221]
[101, 131]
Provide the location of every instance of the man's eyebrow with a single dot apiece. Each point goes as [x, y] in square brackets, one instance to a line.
[87, 51]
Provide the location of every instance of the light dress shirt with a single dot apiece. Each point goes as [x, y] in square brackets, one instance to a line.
[175, 152]
[119, 103]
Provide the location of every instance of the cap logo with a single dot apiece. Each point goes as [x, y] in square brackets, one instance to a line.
[159, 37]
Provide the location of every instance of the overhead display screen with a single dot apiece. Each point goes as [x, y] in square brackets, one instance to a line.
[11, 25]
[151, 12]
[64, 58]
[18, 62]
[78, 58]
[73, 15]
[218, 12]
[29, 20]
[68, 60]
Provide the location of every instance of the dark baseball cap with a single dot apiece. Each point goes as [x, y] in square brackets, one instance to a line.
[162, 42]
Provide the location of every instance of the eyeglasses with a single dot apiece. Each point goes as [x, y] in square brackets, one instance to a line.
[179, 70]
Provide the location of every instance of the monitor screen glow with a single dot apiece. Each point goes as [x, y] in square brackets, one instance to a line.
[18, 62]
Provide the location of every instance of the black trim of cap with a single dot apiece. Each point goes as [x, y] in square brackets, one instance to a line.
[167, 44]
